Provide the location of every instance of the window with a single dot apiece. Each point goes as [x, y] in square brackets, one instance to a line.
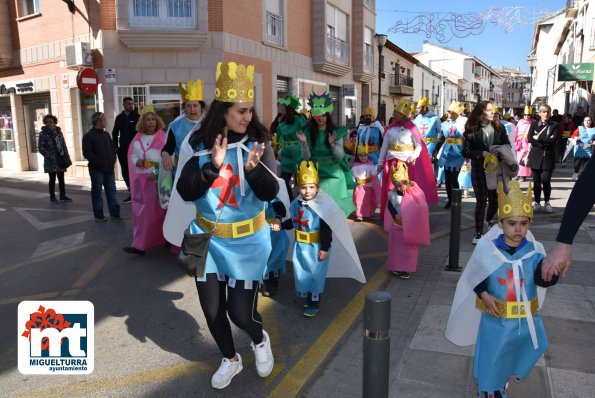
[29, 7]
[368, 50]
[337, 45]
[173, 14]
[274, 22]
[369, 4]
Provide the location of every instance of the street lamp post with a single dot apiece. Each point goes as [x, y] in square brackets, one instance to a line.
[532, 61]
[381, 41]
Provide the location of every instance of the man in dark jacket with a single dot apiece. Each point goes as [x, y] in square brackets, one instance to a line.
[122, 134]
[100, 151]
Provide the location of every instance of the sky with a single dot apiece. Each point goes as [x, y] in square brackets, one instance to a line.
[494, 46]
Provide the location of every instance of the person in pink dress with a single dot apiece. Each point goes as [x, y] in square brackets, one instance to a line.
[366, 195]
[144, 160]
[521, 143]
[407, 222]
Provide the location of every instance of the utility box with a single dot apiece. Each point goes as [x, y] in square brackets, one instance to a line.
[78, 55]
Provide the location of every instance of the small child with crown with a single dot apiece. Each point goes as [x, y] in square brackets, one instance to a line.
[502, 276]
[318, 221]
[366, 195]
[407, 221]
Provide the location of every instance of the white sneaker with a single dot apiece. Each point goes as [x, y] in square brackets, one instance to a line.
[226, 372]
[263, 356]
[548, 208]
[575, 177]
[476, 238]
[536, 207]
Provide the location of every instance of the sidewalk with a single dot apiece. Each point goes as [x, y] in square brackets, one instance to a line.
[424, 364]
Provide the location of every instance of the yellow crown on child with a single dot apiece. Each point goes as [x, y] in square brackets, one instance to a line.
[147, 108]
[528, 110]
[455, 106]
[192, 92]
[307, 173]
[235, 82]
[400, 172]
[369, 111]
[361, 149]
[515, 203]
[404, 106]
[423, 101]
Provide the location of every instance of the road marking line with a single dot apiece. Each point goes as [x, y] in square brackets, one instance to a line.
[94, 269]
[59, 244]
[41, 225]
[39, 296]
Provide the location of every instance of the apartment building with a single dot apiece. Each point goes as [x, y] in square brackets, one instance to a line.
[475, 79]
[143, 48]
[515, 90]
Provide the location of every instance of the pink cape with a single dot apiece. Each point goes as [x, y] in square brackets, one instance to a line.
[147, 215]
[424, 171]
[366, 198]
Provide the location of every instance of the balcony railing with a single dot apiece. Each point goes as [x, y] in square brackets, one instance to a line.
[274, 25]
[368, 61]
[170, 14]
[337, 49]
[401, 80]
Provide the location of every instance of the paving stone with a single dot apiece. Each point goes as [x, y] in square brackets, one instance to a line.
[566, 292]
[571, 344]
[437, 369]
[568, 309]
[568, 383]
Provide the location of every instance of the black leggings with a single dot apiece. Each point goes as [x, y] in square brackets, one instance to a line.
[61, 186]
[484, 197]
[578, 163]
[451, 180]
[541, 178]
[240, 305]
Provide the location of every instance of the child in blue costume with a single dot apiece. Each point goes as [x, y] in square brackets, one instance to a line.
[229, 180]
[502, 276]
[313, 237]
[274, 213]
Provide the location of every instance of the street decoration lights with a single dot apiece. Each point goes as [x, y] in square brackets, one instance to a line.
[380, 41]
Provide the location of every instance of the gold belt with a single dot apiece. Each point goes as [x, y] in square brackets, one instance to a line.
[307, 237]
[236, 229]
[373, 148]
[364, 181]
[454, 141]
[430, 139]
[510, 309]
[401, 148]
[176, 160]
[149, 163]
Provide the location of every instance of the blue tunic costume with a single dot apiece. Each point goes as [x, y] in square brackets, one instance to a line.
[372, 137]
[180, 129]
[279, 243]
[243, 258]
[309, 272]
[451, 157]
[585, 136]
[504, 346]
[429, 127]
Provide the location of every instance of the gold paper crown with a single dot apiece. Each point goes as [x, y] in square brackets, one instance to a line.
[147, 108]
[400, 172]
[423, 101]
[192, 92]
[495, 109]
[528, 110]
[361, 149]
[307, 173]
[404, 106]
[515, 203]
[461, 109]
[370, 111]
[235, 82]
[455, 107]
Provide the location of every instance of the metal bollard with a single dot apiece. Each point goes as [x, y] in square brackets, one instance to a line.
[376, 344]
[455, 232]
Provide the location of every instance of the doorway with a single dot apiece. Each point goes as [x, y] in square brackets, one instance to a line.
[35, 107]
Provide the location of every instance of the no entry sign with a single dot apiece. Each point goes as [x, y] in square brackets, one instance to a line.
[87, 80]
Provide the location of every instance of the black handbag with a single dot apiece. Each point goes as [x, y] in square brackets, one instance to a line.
[193, 253]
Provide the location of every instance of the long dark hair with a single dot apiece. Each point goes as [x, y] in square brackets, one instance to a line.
[289, 116]
[313, 128]
[474, 122]
[214, 122]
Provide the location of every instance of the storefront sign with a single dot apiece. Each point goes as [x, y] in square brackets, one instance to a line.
[7, 90]
[87, 80]
[574, 72]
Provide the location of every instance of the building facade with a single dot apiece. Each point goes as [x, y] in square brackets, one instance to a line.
[515, 90]
[143, 48]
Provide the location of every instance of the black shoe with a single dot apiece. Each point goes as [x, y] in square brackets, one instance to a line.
[100, 219]
[448, 205]
[404, 275]
[439, 185]
[53, 199]
[476, 238]
[65, 199]
[127, 200]
[117, 218]
[134, 250]
[491, 223]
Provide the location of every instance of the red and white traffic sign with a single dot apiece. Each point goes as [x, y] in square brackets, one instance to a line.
[87, 80]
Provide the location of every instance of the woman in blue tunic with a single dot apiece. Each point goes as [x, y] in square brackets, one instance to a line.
[229, 183]
[585, 135]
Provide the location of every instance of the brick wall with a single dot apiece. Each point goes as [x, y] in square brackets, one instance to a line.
[215, 9]
[299, 27]
[246, 20]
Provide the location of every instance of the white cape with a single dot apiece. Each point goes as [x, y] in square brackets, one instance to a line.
[344, 262]
[463, 321]
[181, 213]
